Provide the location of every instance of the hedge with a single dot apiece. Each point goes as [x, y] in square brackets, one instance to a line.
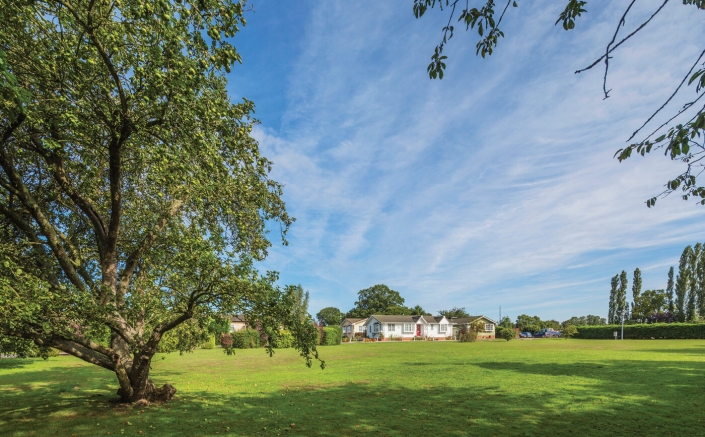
[643, 331]
[282, 340]
[332, 335]
[246, 339]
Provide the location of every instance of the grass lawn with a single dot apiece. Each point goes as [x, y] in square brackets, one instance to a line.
[517, 388]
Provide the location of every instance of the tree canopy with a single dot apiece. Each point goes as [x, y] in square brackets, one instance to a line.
[133, 198]
[330, 316]
[681, 138]
[378, 299]
[454, 312]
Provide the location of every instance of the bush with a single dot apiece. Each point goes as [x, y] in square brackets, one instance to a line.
[282, 340]
[332, 335]
[246, 339]
[569, 331]
[643, 331]
[506, 333]
[467, 336]
[226, 341]
[209, 343]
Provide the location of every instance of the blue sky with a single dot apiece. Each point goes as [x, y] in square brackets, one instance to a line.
[495, 186]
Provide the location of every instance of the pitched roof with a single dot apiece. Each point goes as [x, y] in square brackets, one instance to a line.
[394, 319]
[466, 320]
[433, 319]
[354, 319]
[238, 318]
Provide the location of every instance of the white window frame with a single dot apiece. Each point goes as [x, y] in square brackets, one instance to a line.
[408, 327]
[375, 327]
[391, 327]
[489, 327]
[432, 327]
[443, 328]
[361, 328]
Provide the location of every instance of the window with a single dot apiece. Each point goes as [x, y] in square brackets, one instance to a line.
[232, 327]
[361, 328]
[375, 327]
[489, 327]
[408, 327]
[391, 327]
[443, 328]
[432, 327]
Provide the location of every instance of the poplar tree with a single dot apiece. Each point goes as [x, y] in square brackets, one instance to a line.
[621, 307]
[669, 291]
[693, 289]
[683, 283]
[637, 310]
[613, 295]
[701, 286]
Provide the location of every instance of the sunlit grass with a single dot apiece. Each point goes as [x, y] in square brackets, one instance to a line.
[517, 388]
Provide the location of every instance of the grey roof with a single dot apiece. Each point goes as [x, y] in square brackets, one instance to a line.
[354, 319]
[394, 319]
[433, 319]
[466, 320]
[238, 318]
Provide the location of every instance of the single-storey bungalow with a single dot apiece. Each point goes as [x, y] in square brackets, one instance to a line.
[408, 326]
[351, 325]
[486, 333]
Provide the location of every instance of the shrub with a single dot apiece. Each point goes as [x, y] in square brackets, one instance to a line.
[332, 335]
[466, 336]
[346, 340]
[569, 331]
[507, 333]
[209, 343]
[226, 341]
[360, 334]
[246, 339]
[644, 332]
[282, 340]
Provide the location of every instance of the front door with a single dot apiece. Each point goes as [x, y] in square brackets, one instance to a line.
[418, 330]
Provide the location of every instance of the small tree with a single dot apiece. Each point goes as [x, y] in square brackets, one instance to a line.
[507, 333]
[569, 331]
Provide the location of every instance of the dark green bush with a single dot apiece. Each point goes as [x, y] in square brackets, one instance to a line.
[282, 340]
[643, 331]
[332, 335]
[507, 333]
[246, 339]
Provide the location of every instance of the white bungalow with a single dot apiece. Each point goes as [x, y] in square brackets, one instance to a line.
[352, 325]
[408, 327]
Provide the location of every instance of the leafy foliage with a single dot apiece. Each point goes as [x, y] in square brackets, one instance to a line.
[330, 316]
[132, 196]
[569, 331]
[332, 336]
[682, 137]
[282, 340]
[589, 320]
[455, 312]
[246, 339]
[376, 300]
[506, 333]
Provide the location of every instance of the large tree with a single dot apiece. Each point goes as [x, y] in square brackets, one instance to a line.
[681, 137]
[621, 309]
[330, 316]
[669, 291]
[377, 299]
[132, 197]
[638, 313]
[614, 283]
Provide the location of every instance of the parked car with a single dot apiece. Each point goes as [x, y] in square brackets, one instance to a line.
[525, 335]
[547, 333]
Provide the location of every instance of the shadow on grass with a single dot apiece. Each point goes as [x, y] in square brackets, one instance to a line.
[609, 398]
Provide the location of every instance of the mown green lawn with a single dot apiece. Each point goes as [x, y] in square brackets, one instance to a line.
[517, 388]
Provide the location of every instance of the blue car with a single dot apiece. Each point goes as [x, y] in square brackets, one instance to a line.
[547, 333]
[525, 335]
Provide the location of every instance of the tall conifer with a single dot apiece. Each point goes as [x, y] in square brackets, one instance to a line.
[669, 291]
[613, 295]
[636, 296]
[683, 283]
[693, 292]
[620, 304]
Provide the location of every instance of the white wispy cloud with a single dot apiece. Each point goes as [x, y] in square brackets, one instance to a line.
[494, 186]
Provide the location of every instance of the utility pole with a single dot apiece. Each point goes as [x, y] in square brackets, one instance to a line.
[500, 314]
[622, 324]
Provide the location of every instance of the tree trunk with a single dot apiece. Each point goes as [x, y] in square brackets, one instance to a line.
[135, 384]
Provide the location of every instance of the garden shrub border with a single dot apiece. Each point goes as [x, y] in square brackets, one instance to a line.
[674, 331]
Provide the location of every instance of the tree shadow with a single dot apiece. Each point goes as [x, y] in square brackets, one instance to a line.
[609, 398]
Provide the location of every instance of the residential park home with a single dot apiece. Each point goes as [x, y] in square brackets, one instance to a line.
[351, 325]
[408, 327]
[237, 323]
